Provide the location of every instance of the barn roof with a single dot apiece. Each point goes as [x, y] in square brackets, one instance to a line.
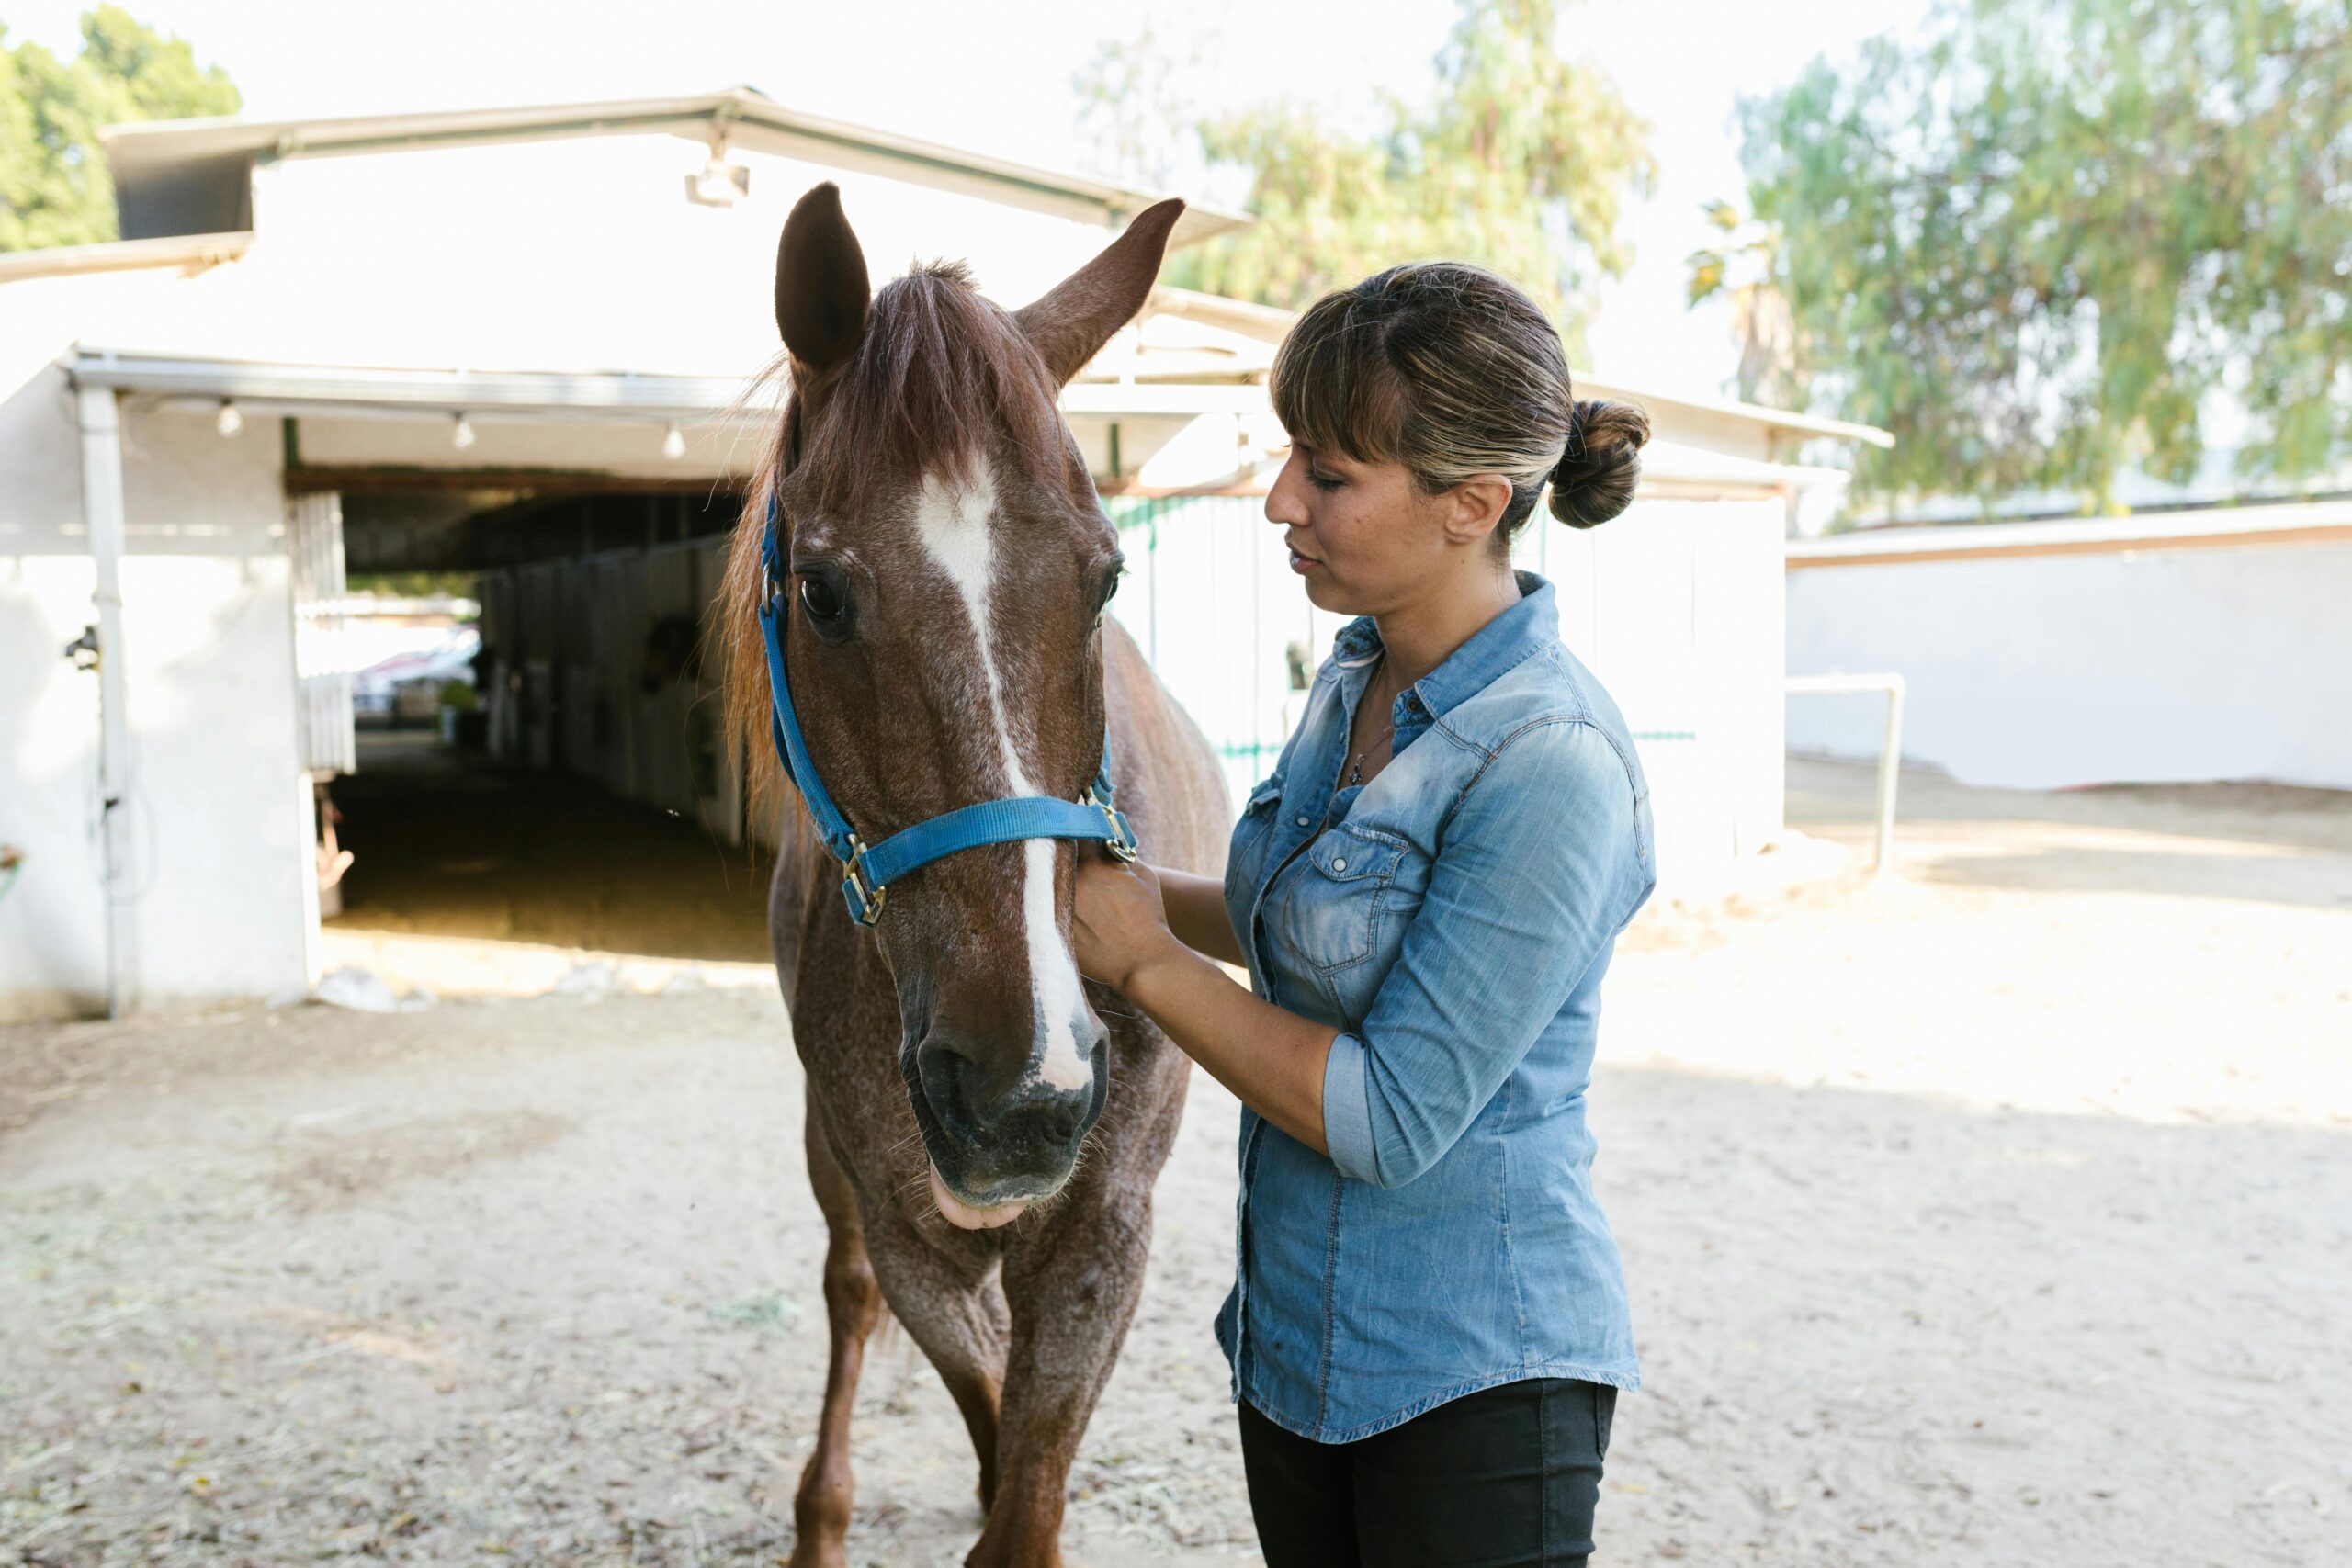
[163, 168]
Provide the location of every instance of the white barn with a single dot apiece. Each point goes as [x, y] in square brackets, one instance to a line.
[513, 341]
[2186, 646]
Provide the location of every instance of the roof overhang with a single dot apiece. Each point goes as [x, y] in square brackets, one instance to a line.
[2231, 527]
[347, 391]
[739, 117]
[1802, 426]
[190, 252]
[1670, 468]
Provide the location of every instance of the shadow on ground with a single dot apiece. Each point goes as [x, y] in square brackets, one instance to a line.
[2269, 843]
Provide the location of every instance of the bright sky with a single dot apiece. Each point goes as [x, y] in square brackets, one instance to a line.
[958, 73]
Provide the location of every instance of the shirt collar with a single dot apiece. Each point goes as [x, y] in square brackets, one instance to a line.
[1501, 644]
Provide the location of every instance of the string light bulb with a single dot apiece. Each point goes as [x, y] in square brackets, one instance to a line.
[230, 421]
[674, 443]
[462, 435]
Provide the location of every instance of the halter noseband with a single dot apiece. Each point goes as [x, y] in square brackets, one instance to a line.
[868, 872]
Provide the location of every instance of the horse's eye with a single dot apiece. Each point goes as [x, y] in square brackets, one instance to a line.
[1110, 589]
[828, 611]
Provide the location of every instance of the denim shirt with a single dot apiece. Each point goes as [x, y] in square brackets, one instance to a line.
[1453, 919]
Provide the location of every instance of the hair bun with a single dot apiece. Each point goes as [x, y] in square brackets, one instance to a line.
[1595, 477]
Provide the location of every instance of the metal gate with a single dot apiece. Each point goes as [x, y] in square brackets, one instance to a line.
[323, 727]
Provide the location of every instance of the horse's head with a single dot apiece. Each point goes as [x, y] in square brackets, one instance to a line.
[948, 566]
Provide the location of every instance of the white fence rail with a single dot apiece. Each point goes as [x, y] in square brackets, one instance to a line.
[1890, 752]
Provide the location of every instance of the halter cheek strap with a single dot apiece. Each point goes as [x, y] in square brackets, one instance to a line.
[868, 872]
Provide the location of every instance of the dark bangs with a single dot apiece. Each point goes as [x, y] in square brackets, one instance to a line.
[1334, 387]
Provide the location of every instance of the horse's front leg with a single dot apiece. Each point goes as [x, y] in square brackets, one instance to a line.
[853, 1305]
[1072, 1290]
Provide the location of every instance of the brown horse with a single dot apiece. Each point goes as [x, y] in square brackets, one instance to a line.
[983, 1129]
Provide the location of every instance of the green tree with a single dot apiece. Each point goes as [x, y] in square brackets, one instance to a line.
[1522, 160]
[2043, 241]
[52, 170]
[1744, 265]
[1134, 117]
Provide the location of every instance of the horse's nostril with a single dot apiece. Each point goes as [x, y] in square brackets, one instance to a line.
[945, 1075]
[1043, 1124]
[1021, 1124]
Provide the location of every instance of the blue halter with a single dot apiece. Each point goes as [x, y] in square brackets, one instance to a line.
[870, 872]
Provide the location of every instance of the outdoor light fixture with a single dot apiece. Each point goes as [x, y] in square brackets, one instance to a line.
[230, 421]
[673, 444]
[720, 184]
[462, 437]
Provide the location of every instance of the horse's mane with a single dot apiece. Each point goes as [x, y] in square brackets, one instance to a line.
[941, 378]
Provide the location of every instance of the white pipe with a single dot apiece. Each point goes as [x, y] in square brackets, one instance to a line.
[1890, 756]
[102, 513]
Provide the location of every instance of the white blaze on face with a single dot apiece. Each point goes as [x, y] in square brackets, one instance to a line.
[954, 527]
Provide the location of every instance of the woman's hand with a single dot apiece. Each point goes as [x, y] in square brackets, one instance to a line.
[1273, 1059]
[1117, 921]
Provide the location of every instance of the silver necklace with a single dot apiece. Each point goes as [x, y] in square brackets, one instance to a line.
[1355, 772]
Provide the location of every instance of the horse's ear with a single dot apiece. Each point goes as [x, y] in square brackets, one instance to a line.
[822, 292]
[1071, 322]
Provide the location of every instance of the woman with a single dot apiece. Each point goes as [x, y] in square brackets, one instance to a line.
[1428, 1325]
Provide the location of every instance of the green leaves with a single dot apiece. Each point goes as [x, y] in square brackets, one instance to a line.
[2049, 240]
[53, 179]
[1707, 269]
[1523, 162]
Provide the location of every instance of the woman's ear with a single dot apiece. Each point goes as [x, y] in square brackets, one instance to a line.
[1474, 508]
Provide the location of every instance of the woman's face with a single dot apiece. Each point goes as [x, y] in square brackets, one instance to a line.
[1364, 536]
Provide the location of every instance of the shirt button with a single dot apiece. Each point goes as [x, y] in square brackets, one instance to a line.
[1302, 821]
[1340, 864]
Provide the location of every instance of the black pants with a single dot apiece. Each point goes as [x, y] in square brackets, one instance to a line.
[1503, 1478]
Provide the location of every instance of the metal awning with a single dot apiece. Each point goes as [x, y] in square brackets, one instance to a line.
[346, 389]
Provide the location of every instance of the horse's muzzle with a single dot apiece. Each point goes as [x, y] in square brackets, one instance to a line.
[1000, 1133]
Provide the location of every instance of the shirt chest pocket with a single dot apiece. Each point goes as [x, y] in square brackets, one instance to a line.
[1246, 852]
[1352, 894]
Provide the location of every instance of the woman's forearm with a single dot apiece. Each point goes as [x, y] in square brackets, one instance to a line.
[1195, 907]
[1271, 1059]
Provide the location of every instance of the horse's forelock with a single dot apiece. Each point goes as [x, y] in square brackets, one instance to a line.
[940, 379]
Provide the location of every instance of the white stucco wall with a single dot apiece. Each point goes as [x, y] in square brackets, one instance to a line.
[220, 818]
[1676, 607]
[2044, 672]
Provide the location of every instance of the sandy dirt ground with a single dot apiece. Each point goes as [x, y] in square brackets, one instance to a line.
[1996, 1213]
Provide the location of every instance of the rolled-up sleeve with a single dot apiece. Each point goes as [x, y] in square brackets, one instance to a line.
[1538, 868]
[1347, 1113]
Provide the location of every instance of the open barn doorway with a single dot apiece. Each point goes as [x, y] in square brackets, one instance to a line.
[539, 758]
